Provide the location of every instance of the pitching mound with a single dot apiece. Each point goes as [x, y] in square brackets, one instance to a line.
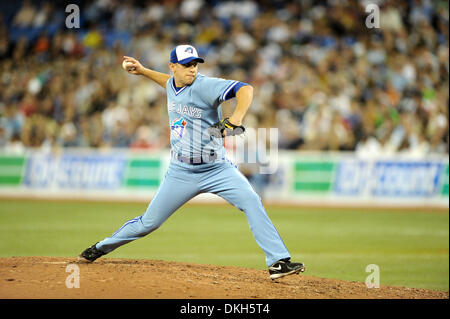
[46, 277]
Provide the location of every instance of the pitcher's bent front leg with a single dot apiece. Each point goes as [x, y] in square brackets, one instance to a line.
[174, 191]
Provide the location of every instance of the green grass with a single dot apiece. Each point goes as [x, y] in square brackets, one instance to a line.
[410, 247]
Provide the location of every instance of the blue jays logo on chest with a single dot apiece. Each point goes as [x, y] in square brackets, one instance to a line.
[178, 126]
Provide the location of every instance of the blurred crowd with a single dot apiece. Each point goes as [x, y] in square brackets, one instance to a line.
[321, 76]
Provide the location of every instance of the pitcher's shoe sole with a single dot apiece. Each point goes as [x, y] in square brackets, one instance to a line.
[275, 276]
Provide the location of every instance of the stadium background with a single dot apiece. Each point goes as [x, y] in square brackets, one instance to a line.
[339, 93]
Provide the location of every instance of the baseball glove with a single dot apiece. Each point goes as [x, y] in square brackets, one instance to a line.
[218, 129]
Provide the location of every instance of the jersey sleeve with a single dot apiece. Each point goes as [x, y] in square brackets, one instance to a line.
[217, 90]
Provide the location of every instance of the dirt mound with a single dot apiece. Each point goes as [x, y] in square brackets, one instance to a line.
[46, 277]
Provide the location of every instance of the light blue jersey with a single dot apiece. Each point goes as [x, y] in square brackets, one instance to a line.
[192, 110]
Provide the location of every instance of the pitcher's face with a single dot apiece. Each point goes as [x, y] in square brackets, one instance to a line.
[184, 74]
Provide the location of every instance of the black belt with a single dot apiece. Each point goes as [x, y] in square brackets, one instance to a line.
[196, 160]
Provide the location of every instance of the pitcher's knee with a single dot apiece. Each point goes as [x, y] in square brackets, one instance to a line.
[148, 226]
[250, 200]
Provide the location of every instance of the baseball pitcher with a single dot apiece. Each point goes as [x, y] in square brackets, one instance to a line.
[198, 160]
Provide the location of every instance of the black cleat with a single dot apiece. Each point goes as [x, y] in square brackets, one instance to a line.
[284, 267]
[90, 254]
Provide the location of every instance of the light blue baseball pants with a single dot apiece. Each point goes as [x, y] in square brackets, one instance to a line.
[181, 183]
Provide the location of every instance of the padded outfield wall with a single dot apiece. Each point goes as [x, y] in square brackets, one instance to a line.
[300, 177]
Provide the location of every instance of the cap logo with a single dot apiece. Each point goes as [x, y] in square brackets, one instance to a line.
[189, 50]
